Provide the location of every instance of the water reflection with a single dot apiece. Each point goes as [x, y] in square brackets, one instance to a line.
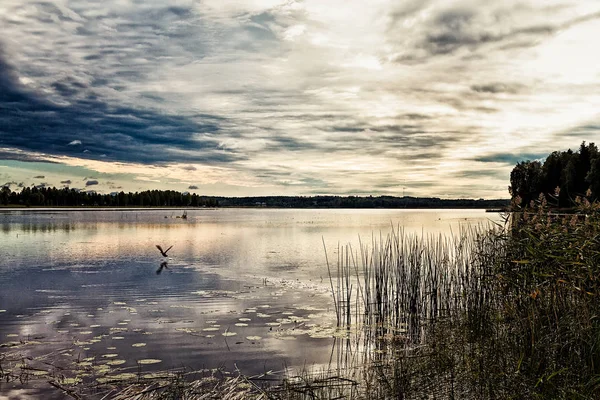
[244, 287]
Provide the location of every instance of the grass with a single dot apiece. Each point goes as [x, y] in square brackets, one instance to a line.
[496, 312]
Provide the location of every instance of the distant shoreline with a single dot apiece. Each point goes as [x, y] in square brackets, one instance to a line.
[116, 208]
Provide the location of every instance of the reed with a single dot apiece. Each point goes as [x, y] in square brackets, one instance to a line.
[494, 312]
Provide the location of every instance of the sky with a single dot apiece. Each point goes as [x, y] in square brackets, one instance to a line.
[295, 97]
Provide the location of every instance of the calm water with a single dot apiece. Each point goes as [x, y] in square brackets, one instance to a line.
[245, 287]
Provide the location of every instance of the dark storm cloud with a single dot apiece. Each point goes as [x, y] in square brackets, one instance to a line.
[39, 177]
[497, 87]
[91, 183]
[193, 187]
[67, 182]
[511, 158]
[583, 131]
[481, 173]
[32, 123]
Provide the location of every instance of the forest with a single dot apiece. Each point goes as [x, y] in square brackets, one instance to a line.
[66, 197]
[562, 177]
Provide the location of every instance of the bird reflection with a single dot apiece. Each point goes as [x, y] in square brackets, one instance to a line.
[163, 264]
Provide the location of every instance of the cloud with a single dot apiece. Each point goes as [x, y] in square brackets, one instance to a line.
[121, 133]
[91, 183]
[510, 158]
[66, 182]
[288, 96]
[193, 187]
[39, 177]
[497, 87]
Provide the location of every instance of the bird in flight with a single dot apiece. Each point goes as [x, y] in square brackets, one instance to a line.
[164, 263]
[164, 253]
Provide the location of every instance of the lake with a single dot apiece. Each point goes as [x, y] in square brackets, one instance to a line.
[245, 289]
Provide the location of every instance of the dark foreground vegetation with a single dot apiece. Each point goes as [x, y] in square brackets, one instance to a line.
[65, 197]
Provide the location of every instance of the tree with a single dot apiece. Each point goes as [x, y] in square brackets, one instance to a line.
[526, 181]
[572, 172]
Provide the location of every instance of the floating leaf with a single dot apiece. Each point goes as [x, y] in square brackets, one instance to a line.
[245, 319]
[109, 355]
[159, 375]
[241, 324]
[253, 338]
[116, 362]
[138, 345]
[229, 333]
[147, 361]
[118, 377]
[101, 369]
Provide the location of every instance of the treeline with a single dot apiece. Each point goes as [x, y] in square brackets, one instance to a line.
[563, 177]
[358, 202]
[65, 197]
[53, 197]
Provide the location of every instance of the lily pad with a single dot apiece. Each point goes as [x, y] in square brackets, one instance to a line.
[116, 362]
[147, 361]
